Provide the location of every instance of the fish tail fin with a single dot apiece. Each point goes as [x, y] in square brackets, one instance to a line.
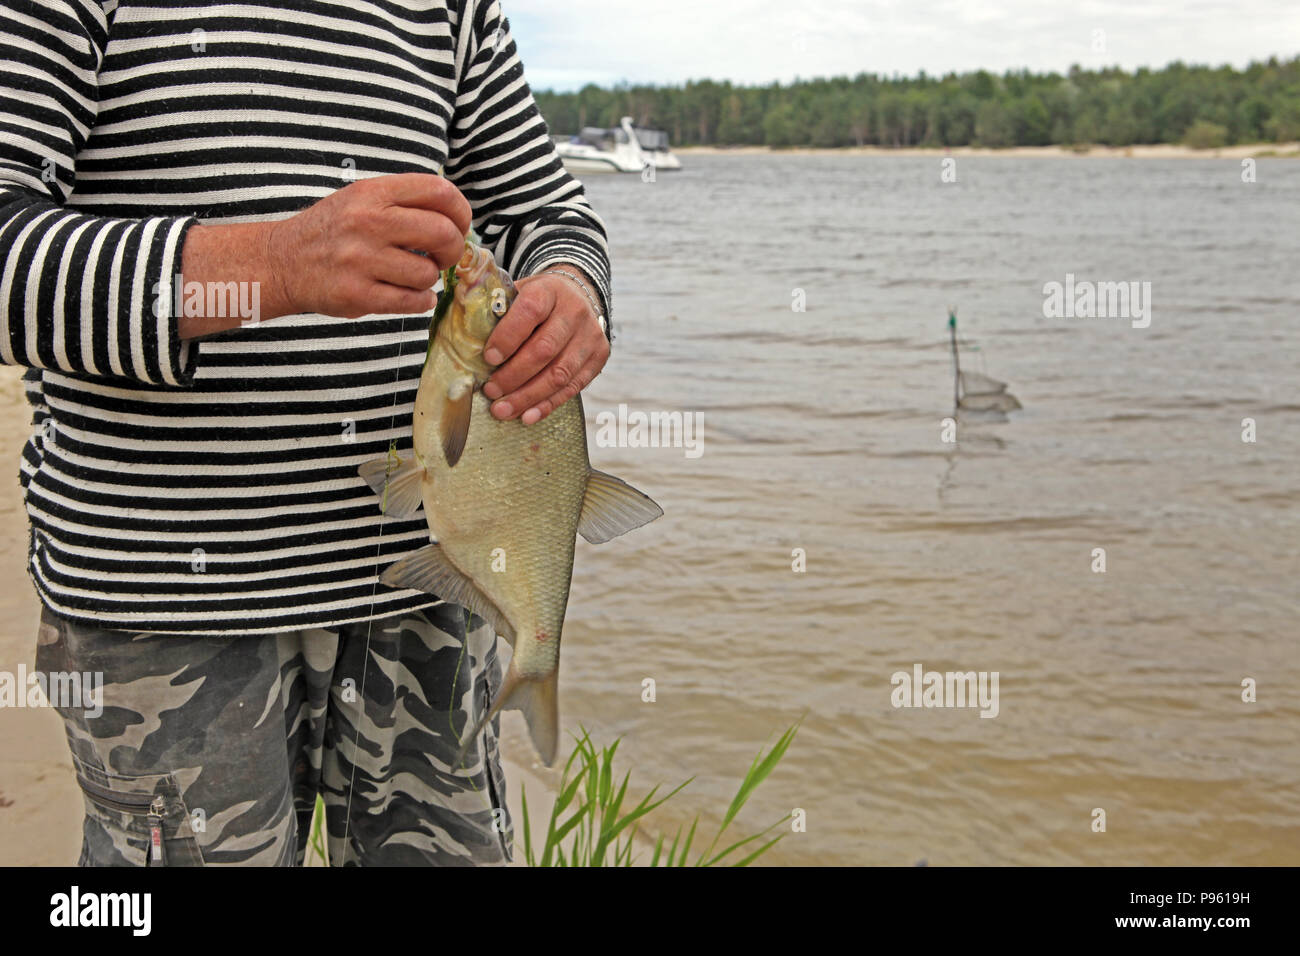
[540, 702]
[538, 699]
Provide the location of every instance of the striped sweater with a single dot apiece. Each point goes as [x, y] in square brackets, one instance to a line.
[210, 486]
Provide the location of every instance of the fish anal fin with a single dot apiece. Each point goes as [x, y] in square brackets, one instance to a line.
[430, 570]
[538, 700]
[612, 507]
[398, 482]
[454, 422]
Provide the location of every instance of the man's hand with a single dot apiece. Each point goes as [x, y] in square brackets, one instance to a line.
[348, 255]
[552, 345]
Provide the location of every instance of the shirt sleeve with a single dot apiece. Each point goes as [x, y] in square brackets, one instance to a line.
[80, 294]
[527, 208]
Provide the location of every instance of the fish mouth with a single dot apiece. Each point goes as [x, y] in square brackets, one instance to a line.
[474, 266]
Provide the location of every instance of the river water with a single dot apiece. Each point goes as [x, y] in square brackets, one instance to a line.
[1118, 690]
[823, 430]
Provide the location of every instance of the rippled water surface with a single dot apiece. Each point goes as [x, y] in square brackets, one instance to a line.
[1119, 691]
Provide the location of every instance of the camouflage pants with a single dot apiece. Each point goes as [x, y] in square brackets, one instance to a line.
[214, 748]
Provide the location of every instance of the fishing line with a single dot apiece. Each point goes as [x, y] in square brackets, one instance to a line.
[374, 590]
[451, 700]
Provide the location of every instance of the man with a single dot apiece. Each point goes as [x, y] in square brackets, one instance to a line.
[219, 230]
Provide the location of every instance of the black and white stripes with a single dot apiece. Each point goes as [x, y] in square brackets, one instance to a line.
[211, 487]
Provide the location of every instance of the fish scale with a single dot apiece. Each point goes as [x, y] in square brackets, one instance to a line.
[540, 472]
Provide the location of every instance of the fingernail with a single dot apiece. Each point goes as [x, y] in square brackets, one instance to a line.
[532, 416]
[492, 390]
[492, 356]
[502, 410]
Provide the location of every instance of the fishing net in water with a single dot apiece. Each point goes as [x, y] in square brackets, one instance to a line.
[975, 391]
[980, 393]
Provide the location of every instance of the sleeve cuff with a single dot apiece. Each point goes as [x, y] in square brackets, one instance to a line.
[167, 358]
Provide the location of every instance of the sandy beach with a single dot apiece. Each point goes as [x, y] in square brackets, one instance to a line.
[1154, 151]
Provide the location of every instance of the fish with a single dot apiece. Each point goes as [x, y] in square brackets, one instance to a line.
[504, 501]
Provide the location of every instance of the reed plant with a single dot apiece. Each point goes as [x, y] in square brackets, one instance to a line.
[589, 826]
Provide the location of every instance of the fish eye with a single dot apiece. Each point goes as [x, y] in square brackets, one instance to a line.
[498, 302]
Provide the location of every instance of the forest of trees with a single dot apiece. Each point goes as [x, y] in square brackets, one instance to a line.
[1201, 105]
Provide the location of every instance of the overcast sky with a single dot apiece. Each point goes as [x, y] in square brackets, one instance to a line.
[566, 43]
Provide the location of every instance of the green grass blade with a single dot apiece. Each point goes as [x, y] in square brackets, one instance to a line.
[566, 828]
[672, 853]
[760, 851]
[317, 831]
[758, 772]
[690, 837]
[528, 833]
[739, 843]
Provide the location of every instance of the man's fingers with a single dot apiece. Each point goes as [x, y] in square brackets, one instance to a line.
[426, 231]
[401, 268]
[557, 378]
[530, 309]
[427, 191]
[547, 342]
[580, 380]
[385, 299]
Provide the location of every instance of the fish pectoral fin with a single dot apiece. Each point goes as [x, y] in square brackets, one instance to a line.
[612, 507]
[397, 481]
[453, 423]
[539, 700]
[431, 571]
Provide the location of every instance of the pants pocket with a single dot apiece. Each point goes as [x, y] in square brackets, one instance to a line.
[136, 820]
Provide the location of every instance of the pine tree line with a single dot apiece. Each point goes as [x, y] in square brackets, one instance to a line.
[1201, 105]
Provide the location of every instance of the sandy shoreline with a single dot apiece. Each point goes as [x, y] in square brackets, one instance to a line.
[1156, 151]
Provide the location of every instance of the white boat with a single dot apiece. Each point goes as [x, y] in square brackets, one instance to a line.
[624, 149]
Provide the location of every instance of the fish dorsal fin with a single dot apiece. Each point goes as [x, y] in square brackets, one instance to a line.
[430, 570]
[397, 481]
[454, 424]
[613, 507]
